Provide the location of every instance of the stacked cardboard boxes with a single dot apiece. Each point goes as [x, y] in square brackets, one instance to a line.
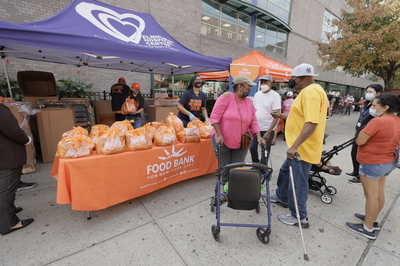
[51, 123]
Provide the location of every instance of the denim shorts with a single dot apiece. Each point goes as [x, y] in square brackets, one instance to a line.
[375, 171]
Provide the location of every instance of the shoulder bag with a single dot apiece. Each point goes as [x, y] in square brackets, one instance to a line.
[245, 137]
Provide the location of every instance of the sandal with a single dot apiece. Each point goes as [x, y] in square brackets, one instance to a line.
[222, 199]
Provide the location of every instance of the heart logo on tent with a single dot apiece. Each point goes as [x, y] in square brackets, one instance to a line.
[104, 18]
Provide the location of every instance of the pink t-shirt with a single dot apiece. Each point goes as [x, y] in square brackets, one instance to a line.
[286, 106]
[226, 113]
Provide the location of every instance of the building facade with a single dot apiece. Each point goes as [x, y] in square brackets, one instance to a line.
[282, 30]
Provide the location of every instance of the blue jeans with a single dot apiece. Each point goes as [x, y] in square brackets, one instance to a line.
[300, 170]
[137, 119]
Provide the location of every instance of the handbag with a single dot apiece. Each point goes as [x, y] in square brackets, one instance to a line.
[397, 156]
[245, 140]
[246, 137]
[128, 106]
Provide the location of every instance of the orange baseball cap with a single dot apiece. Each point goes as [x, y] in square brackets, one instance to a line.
[135, 86]
[121, 80]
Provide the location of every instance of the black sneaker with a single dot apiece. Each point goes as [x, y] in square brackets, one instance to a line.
[359, 228]
[24, 185]
[355, 180]
[352, 174]
[362, 218]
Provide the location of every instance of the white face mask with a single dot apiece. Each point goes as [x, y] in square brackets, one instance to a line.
[369, 96]
[264, 88]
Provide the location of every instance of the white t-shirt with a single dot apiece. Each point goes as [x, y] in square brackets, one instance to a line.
[265, 103]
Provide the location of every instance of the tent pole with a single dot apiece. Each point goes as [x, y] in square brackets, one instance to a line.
[173, 85]
[6, 74]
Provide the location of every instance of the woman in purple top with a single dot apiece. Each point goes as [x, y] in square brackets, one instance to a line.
[229, 110]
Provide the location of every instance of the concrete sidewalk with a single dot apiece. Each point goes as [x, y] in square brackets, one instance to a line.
[172, 226]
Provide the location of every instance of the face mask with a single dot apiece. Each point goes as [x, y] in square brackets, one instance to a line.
[197, 84]
[292, 83]
[369, 96]
[373, 112]
[264, 88]
[245, 92]
[135, 92]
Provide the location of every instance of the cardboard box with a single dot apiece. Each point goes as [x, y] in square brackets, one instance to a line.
[33, 100]
[37, 83]
[103, 111]
[52, 123]
[159, 113]
[29, 167]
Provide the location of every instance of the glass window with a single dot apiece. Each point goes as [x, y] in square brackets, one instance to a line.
[327, 27]
[280, 8]
[223, 22]
[285, 4]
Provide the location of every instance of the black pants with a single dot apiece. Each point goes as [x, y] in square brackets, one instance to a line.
[119, 117]
[356, 164]
[9, 181]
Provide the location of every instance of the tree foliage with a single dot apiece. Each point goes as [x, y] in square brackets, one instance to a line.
[368, 42]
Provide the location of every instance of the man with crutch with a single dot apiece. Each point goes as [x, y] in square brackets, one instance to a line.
[304, 134]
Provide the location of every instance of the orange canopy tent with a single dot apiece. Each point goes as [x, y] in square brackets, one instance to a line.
[278, 71]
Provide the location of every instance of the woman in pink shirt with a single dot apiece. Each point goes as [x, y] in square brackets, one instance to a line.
[233, 114]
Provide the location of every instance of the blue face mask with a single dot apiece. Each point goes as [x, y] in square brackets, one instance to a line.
[373, 112]
[197, 84]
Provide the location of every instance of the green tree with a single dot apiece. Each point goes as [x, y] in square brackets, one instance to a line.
[368, 41]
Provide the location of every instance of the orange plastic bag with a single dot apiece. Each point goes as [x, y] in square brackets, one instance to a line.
[188, 135]
[174, 122]
[74, 132]
[150, 130]
[165, 136]
[204, 128]
[122, 126]
[74, 146]
[112, 141]
[138, 139]
[97, 131]
[128, 106]
[156, 125]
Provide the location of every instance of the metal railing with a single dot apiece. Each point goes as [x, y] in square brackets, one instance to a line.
[105, 95]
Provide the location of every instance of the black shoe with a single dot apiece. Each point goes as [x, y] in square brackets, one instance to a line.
[359, 228]
[24, 223]
[362, 218]
[352, 174]
[24, 185]
[18, 209]
[355, 180]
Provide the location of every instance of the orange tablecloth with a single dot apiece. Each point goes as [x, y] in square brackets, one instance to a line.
[99, 181]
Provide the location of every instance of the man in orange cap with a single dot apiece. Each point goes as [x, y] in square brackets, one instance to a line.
[119, 93]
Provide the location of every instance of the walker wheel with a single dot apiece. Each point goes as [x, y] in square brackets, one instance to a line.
[258, 208]
[212, 204]
[326, 198]
[331, 190]
[262, 234]
[215, 232]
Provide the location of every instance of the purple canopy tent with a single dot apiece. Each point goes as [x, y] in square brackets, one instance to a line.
[91, 33]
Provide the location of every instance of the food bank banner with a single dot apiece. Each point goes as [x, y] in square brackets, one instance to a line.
[99, 181]
[250, 71]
